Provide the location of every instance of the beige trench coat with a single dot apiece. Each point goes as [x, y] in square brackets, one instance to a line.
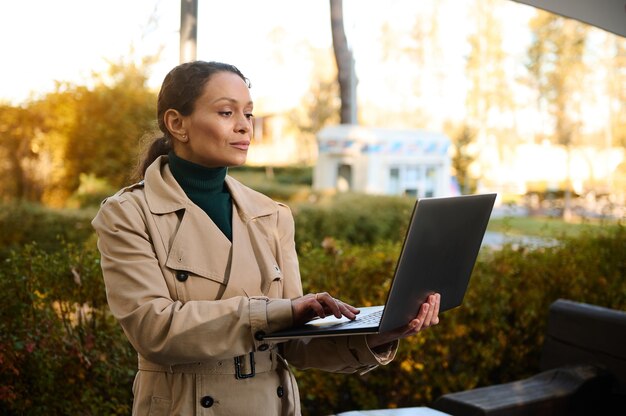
[193, 305]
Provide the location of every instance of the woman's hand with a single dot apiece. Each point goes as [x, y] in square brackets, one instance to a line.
[427, 316]
[322, 304]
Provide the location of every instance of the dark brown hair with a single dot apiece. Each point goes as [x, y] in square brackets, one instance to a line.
[180, 90]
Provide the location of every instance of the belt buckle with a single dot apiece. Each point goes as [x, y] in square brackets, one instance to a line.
[238, 363]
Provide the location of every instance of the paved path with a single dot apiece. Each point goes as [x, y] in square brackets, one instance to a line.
[496, 240]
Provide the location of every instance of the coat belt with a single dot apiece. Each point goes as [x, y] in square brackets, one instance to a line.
[264, 361]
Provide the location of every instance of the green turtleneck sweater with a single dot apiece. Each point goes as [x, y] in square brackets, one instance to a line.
[206, 188]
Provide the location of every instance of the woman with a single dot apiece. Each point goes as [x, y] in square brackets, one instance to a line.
[199, 267]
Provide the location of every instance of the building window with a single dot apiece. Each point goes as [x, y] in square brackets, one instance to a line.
[344, 178]
[417, 181]
[393, 187]
[430, 181]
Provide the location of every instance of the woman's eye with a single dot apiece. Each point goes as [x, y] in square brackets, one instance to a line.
[249, 116]
[225, 113]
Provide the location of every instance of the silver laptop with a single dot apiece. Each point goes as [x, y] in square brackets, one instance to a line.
[437, 256]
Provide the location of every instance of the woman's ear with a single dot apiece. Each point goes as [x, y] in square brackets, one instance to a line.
[175, 123]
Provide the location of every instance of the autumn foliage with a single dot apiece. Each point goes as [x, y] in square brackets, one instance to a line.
[75, 135]
[62, 353]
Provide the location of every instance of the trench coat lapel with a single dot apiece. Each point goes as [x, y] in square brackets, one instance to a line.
[245, 276]
[198, 246]
[248, 274]
[195, 244]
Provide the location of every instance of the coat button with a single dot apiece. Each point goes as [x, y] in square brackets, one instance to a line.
[181, 276]
[206, 401]
[259, 335]
[263, 347]
[280, 392]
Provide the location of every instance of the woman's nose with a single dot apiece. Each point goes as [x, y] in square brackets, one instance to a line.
[243, 125]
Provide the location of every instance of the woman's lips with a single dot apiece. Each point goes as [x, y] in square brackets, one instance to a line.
[243, 145]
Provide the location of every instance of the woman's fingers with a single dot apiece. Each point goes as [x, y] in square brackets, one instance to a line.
[328, 303]
[311, 307]
[320, 304]
[335, 306]
[416, 325]
[433, 315]
[348, 311]
[427, 316]
[432, 299]
[435, 320]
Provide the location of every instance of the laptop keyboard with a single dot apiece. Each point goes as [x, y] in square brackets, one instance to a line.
[371, 319]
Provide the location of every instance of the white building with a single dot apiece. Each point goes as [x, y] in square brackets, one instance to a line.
[383, 161]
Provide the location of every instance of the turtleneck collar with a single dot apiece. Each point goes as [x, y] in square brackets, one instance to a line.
[197, 178]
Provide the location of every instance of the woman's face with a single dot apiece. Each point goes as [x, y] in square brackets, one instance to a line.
[219, 130]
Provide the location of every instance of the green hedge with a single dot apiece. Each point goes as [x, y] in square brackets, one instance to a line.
[354, 218]
[24, 223]
[284, 175]
[62, 353]
[494, 337]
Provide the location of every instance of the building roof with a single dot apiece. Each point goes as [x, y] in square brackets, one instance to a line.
[355, 138]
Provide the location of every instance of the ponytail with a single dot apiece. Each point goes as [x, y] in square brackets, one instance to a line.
[159, 146]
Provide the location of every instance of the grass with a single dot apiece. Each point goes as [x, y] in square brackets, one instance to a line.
[549, 227]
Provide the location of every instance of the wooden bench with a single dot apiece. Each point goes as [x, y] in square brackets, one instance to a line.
[583, 370]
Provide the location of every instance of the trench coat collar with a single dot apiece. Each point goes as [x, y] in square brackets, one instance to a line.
[164, 195]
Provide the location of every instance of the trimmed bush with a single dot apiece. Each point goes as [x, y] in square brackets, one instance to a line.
[25, 223]
[494, 337]
[353, 218]
[60, 350]
[286, 175]
[62, 353]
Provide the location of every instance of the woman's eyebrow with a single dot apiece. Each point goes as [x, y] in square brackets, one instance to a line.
[231, 100]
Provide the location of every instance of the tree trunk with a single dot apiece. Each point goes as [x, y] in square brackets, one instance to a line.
[345, 64]
[188, 30]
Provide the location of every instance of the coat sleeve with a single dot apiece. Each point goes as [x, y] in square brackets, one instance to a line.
[344, 354]
[160, 328]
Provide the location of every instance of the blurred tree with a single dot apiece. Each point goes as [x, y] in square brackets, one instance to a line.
[489, 97]
[616, 134]
[112, 118]
[345, 64]
[321, 106]
[427, 53]
[76, 130]
[556, 63]
[463, 157]
[188, 30]
[616, 86]
[414, 64]
[404, 78]
[19, 151]
[318, 107]
[57, 113]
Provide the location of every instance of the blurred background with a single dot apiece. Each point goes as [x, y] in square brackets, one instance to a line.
[361, 106]
[530, 104]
